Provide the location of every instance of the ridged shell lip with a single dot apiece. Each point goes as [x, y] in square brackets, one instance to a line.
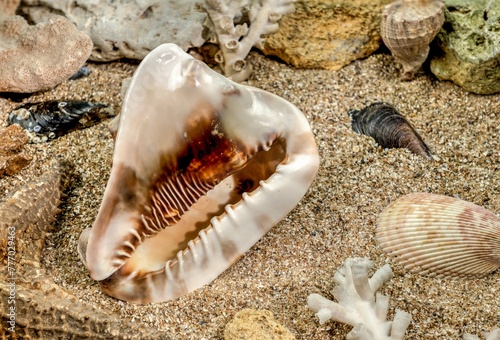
[202, 168]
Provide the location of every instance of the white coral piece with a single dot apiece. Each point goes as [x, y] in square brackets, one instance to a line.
[357, 305]
[493, 335]
[235, 40]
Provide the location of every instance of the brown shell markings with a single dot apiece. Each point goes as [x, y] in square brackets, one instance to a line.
[389, 128]
[202, 168]
[407, 29]
[437, 235]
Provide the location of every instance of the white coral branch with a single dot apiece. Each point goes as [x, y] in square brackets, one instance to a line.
[493, 335]
[357, 305]
[236, 40]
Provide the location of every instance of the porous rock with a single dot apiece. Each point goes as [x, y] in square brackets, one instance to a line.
[126, 28]
[469, 54]
[327, 34]
[38, 57]
[255, 324]
[12, 156]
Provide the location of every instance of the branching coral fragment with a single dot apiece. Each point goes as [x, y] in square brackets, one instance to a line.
[493, 335]
[357, 305]
[236, 38]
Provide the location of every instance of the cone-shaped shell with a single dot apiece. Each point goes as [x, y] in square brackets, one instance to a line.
[438, 235]
[389, 128]
[407, 29]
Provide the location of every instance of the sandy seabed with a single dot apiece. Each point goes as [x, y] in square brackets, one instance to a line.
[334, 221]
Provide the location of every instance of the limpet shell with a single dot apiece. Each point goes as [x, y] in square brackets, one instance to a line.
[438, 235]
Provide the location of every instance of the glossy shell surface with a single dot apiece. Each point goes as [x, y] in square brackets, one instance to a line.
[202, 168]
[389, 128]
[51, 119]
[438, 235]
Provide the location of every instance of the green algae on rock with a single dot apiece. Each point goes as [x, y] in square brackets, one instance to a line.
[469, 44]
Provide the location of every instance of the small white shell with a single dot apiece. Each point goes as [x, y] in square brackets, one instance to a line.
[438, 235]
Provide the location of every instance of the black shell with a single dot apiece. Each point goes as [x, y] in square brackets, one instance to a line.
[82, 72]
[389, 128]
[52, 119]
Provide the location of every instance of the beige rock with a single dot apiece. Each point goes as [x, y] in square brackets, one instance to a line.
[37, 58]
[8, 7]
[12, 158]
[250, 324]
[126, 28]
[327, 34]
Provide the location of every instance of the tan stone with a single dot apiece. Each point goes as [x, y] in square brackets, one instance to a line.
[8, 7]
[250, 324]
[12, 157]
[327, 34]
[39, 57]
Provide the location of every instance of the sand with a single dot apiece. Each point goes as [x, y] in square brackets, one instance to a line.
[334, 221]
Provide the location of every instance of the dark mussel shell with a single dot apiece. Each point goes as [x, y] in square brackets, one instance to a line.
[51, 119]
[82, 72]
[389, 128]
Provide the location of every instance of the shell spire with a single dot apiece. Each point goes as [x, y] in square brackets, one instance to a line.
[407, 29]
[389, 128]
[438, 235]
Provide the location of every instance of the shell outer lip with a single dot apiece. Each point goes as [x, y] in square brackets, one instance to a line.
[227, 238]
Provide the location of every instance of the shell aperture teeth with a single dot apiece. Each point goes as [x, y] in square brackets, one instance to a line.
[202, 168]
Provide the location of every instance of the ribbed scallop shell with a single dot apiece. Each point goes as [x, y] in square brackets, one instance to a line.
[389, 128]
[438, 235]
[407, 29]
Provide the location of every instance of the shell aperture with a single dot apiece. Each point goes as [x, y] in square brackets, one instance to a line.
[202, 168]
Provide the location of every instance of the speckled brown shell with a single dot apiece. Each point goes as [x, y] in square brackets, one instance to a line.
[407, 29]
[438, 235]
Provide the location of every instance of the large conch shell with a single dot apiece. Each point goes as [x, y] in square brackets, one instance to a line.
[407, 29]
[437, 235]
[202, 168]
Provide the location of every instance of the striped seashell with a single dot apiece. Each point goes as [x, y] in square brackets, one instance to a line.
[388, 128]
[408, 27]
[438, 235]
